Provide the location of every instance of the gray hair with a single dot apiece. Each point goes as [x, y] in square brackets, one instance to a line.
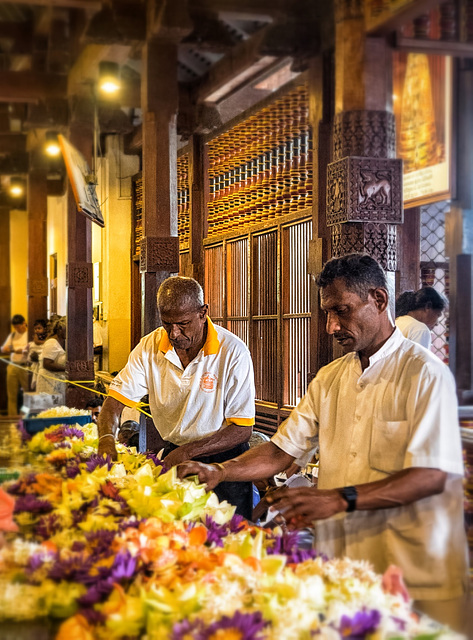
[178, 291]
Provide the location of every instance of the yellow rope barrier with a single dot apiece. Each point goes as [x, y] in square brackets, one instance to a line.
[81, 384]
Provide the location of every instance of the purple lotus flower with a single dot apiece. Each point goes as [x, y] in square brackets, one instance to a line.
[124, 566]
[25, 436]
[63, 431]
[288, 544]
[100, 541]
[132, 522]
[32, 504]
[74, 568]
[249, 626]
[98, 461]
[47, 526]
[236, 523]
[154, 458]
[98, 592]
[92, 616]
[72, 470]
[360, 625]
[186, 629]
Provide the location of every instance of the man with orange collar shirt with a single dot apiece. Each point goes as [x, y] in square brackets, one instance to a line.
[200, 382]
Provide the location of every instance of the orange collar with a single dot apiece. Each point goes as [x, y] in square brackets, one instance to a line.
[211, 345]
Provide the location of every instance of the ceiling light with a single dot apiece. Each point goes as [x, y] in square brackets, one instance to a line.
[52, 145]
[17, 187]
[109, 77]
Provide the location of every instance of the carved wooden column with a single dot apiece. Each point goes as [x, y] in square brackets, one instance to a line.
[79, 279]
[160, 245]
[197, 185]
[364, 181]
[459, 242]
[37, 247]
[5, 296]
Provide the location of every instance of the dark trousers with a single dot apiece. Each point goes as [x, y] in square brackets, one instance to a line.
[239, 494]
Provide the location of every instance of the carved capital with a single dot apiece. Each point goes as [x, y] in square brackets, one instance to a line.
[348, 10]
[159, 254]
[364, 133]
[37, 287]
[79, 274]
[80, 370]
[379, 240]
[364, 189]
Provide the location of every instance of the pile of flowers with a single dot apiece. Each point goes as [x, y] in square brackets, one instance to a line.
[62, 412]
[127, 550]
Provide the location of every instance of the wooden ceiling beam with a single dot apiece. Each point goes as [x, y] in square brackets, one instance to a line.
[239, 59]
[30, 86]
[90, 5]
[387, 23]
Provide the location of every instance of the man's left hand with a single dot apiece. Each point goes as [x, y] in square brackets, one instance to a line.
[176, 457]
[302, 505]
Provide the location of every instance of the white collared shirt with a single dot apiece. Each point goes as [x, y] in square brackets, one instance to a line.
[215, 389]
[400, 412]
[15, 341]
[415, 330]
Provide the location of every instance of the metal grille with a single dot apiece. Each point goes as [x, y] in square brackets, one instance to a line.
[434, 266]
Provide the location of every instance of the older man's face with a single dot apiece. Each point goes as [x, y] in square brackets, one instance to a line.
[353, 322]
[184, 325]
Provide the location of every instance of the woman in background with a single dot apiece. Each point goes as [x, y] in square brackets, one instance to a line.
[417, 313]
[52, 367]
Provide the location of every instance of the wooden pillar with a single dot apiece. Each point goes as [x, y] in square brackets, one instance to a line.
[459, 241]
[364, 180]
[197, 185]
[5, 296]
[37, 248]
[159, 257]
[79, 280]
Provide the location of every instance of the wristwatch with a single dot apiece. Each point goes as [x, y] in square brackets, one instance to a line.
[350, 494]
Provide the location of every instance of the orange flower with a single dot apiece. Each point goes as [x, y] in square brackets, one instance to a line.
[197, 536]
[75, 628]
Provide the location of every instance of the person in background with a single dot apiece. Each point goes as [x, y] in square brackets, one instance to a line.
[200, 382]
[95, 407]
[417, 313]
[129, 434]
[98, 343]
[34, 350]
[52, 369]
[17, 373]
[385, 415]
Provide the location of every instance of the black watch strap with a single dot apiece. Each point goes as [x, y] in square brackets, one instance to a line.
[350, 494]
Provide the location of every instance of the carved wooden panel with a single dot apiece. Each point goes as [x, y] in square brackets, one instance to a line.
[159, 254]
[364, 189]
[37, 287]
[376, 239]
[80, 369]
[348, 9]
[364, 133]
[79, 274]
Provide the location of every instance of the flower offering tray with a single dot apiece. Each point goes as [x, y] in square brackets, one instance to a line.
[34, 425]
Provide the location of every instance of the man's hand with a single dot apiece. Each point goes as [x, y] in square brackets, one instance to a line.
[107, 446]
[209, 474]
[34, 356]
[302, 505]
[177, 456]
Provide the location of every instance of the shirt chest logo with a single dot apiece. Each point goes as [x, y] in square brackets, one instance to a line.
[208, 382]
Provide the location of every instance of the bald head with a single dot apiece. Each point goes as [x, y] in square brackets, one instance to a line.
[179, 292]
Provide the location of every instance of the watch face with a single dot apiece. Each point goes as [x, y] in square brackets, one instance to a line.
[350, 494]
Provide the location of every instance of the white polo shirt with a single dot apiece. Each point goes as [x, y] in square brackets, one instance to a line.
[415, 330]
[15, 341]
[215, 389]
[400, 412]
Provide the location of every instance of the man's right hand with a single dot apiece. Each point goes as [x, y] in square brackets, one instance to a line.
[209, 474]
[107, 447]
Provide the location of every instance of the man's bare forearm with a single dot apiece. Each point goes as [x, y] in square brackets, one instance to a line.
[402, 488]
[222, 440]
[109, 418]
[259, 463]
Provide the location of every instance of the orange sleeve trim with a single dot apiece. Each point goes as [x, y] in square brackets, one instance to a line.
[241, 422]
[126, 401]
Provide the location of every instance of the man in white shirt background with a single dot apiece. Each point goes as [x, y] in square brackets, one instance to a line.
[385, 417]
[418, 312]
[200, 382]
[17, 373]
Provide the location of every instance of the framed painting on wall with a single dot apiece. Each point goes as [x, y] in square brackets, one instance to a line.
[422, 101]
